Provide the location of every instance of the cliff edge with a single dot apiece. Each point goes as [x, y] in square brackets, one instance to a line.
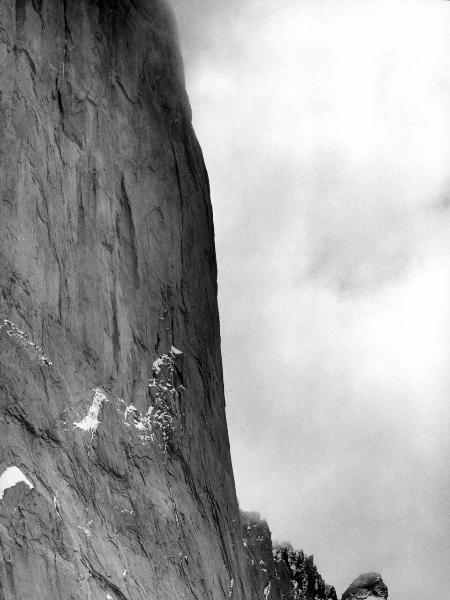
[115, 472]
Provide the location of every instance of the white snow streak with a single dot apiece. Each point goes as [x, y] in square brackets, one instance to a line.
[87, 532]
[160, 362]
[133, 410]
[230, 592]
[14, 332]
[91, 421]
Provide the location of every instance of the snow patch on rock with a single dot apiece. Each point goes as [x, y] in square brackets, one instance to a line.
[11, 477]
[87, 532]
[91, 420]
[158, 423]
[155, 420]
[15, 333]
[162, 361]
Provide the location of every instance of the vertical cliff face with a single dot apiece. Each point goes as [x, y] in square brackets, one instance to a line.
[261, 570]
[115, 473]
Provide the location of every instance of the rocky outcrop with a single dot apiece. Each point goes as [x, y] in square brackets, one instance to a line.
[261, 571]
[297, 569]
[368, 585]
[279, 573]
[112, 418]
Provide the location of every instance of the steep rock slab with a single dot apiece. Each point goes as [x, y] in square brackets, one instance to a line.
[257, 540]
[299, 578]
[368, 585]
[111, 395]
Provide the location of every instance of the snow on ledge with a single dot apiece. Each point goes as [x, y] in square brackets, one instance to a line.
[91, 420]
[11, 477]
[15, 333]
[86, 530]
[162, 361]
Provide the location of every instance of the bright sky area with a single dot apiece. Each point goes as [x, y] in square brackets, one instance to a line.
[325, 128]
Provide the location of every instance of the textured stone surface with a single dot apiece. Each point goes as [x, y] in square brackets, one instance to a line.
[108, 283]
[302, 573]
[368, 585]
[260, 564]
[281, 573]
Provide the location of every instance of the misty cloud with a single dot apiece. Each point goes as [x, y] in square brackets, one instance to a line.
[325, 128]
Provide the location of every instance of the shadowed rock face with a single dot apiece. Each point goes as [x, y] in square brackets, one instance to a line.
[111, 395]
[368, 585]
[281, 573]
[257, 541]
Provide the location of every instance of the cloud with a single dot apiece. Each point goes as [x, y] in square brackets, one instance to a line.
[325, 128]
[334, 114]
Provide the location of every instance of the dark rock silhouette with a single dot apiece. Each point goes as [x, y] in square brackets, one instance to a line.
[281, 572]
[368, 585]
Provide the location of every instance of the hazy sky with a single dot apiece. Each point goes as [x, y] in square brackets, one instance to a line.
[325, 126]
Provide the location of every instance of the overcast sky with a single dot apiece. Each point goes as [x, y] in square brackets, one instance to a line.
[325, 126]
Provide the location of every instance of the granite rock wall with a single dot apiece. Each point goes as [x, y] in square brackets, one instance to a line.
[111, 390]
